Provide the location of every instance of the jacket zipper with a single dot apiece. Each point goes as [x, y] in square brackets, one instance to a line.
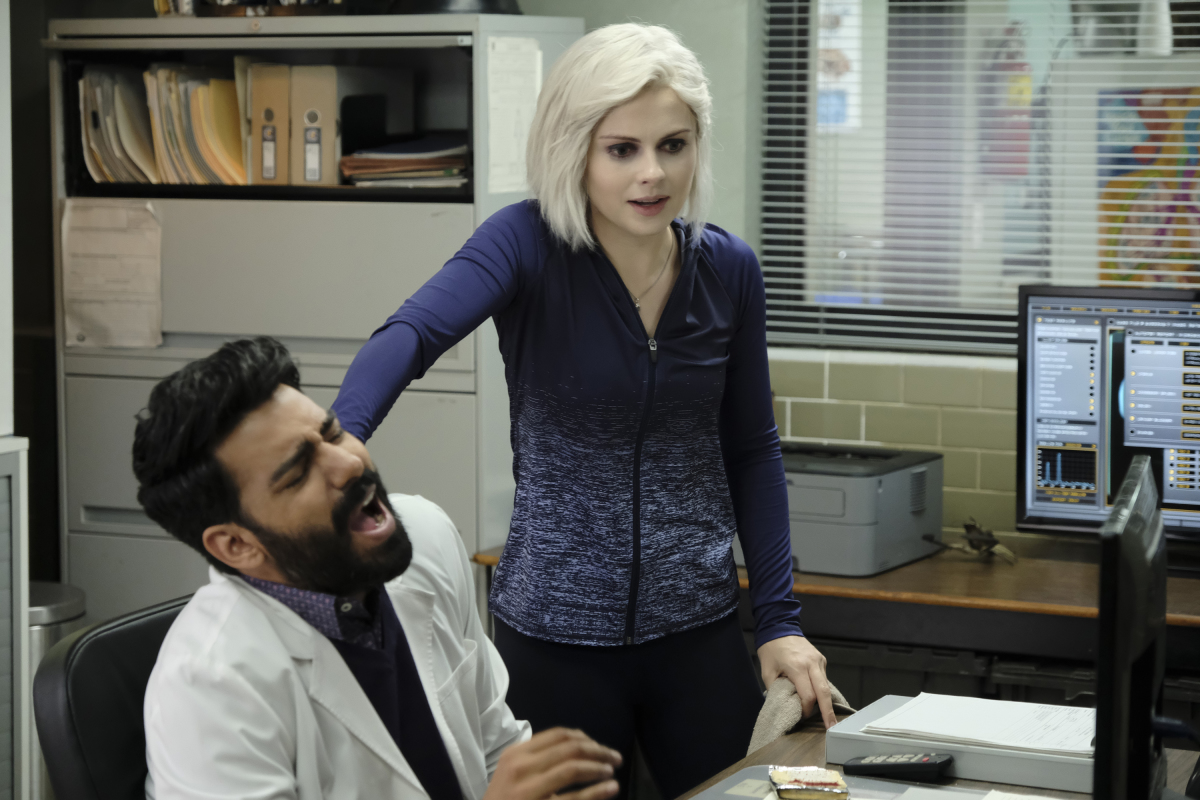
[635, 572]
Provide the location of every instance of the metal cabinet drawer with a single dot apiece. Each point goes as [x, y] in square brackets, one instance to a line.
[426, 446]
[101, 489]
[121, 574]
[320, 269]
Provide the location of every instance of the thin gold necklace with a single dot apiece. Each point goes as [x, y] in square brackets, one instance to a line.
[637, 300]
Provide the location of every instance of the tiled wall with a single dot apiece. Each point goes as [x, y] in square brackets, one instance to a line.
[963, 407]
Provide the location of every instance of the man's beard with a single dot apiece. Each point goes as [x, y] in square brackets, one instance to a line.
[323, 559]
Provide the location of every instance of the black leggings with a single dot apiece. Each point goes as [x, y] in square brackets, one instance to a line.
[690, 698]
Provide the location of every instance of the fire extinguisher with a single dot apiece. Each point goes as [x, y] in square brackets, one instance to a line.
[1005, 107]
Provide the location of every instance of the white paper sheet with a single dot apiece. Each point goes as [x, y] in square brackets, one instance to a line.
[752, 788]
[514, 78]
[112, 273]
[1027, 727]
[929, 793]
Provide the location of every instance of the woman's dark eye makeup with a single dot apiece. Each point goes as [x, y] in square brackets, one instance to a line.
[626, 149]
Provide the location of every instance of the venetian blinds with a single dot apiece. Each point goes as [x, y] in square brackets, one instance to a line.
[922, 159]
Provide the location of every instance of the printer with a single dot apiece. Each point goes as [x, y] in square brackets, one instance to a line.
[860, 511]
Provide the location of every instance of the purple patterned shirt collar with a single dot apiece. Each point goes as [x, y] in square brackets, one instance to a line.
[337, 618]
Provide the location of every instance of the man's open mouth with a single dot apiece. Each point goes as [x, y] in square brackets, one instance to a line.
[371, 516]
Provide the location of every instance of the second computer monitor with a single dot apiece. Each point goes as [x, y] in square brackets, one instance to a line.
[1105, 375]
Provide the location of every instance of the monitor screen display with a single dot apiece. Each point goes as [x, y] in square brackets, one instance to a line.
[1105, 375]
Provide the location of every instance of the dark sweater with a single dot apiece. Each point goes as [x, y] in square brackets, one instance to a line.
[636, 459]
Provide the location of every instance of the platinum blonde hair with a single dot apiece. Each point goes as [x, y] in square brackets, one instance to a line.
[607, 68]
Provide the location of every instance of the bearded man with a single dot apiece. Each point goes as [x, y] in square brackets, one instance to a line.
[337, 651]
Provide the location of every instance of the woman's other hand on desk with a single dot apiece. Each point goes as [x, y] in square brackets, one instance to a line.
[796, 659]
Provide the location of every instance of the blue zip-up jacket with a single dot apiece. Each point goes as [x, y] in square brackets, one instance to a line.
[636, 459]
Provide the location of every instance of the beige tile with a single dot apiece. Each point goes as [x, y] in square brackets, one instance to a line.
[998, 471]
[990, 430]
[826, 420]
[902, 425]
[942, 386]
[960, 468]
[999, 389]
[878, 382]
[797, 379]
[996, 511]
[781, 417]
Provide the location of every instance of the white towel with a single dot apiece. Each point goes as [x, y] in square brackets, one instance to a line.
[781, 712]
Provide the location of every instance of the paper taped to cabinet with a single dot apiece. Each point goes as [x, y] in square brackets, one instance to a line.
[514, 78]
[112, 273]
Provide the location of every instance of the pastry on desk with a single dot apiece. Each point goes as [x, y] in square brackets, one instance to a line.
[808, 783]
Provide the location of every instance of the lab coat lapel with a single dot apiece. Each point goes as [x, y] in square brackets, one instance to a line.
[334, 687]
[414, 609]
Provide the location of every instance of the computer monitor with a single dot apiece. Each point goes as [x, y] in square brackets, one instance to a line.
[1131, 651]
[1105, 375]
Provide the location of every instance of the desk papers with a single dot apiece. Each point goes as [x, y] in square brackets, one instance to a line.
[111, 273]
[1018, 727]
[938, 793]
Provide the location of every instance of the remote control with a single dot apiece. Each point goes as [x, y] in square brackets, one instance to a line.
[903, 766]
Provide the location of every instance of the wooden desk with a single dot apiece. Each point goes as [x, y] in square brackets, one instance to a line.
[1039, 607]
[806, 747]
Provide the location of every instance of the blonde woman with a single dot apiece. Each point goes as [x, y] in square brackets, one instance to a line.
[634, 343]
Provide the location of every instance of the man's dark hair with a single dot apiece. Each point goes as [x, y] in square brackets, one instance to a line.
[182, 486]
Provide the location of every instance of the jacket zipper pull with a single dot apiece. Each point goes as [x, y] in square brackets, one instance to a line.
[654, 351]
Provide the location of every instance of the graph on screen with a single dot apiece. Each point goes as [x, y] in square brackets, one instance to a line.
[1066, 468]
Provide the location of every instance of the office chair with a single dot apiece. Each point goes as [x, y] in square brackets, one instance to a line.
[87, 702]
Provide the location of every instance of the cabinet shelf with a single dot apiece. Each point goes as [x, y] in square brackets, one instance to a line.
[88, 188]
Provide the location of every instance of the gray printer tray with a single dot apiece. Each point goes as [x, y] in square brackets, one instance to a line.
[846, 740]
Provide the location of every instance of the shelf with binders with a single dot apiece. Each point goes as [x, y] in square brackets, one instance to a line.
[342, 102]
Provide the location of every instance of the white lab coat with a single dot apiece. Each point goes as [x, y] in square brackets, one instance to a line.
[248, 701]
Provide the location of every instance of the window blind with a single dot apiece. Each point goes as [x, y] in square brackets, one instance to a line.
[923, 158]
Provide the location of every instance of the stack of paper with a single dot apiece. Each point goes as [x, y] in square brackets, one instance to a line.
[115, 127]
[1021, 727]
[170, 8]
[171, 124]
[197, 126]
[259, 124]
[432, 161]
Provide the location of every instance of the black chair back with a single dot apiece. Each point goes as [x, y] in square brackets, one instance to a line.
[87, 702]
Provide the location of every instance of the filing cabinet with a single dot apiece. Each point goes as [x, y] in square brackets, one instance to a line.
[317, 267]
